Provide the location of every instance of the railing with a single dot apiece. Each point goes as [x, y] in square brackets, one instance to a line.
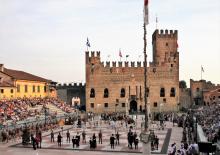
[34, 120]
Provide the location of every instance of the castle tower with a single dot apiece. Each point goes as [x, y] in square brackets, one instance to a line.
[163, 75]
[164, 46]
[92, 62]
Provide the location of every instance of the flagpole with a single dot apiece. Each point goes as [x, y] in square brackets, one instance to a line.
[201, 71]
[145, 79]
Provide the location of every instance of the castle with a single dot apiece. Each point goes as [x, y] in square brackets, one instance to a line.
[119, 87]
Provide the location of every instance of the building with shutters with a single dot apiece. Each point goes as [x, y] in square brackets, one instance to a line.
[19, 84]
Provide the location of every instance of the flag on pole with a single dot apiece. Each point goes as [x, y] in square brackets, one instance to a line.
[87, 42]
[146, 21]
[202, 69]
[120, 54]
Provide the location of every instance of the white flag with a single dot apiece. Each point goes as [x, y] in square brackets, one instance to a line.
[146, 20]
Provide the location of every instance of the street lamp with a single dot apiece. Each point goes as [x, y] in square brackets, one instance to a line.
[46, 111]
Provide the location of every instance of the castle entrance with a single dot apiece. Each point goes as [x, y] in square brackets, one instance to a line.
[133, 106]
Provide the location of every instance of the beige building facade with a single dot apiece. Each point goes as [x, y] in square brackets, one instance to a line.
[19, 84]
[119, 86]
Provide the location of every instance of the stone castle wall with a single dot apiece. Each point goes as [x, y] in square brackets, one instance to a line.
[66, 92]
[163, 72]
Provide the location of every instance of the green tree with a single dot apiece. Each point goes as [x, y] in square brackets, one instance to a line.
[182, 84]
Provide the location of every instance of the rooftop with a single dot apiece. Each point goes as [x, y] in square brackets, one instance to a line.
[21, 75]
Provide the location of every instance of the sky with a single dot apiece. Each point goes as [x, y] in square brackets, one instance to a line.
[48, 37]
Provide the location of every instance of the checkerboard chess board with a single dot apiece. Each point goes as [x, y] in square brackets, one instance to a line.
[107, 131]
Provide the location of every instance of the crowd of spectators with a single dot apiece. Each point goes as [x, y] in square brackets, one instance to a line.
[209, 119]
[61, 105]
[20, 109]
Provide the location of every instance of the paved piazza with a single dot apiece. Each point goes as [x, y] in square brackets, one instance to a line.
[166, 137]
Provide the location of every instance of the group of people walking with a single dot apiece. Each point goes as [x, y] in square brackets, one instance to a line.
[132, 138]
[114, 140]
[37, 140]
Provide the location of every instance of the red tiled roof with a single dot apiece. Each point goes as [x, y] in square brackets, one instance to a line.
[6, 84]
[20, 75]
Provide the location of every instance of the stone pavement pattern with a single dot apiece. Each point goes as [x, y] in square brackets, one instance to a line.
[107, 131]
[66, 149]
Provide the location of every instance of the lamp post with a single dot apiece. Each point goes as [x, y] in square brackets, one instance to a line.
[45, 115]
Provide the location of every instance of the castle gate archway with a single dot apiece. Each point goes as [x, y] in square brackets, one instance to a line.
[133, 106]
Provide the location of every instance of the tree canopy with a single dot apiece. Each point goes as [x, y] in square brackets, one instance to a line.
[182, 84]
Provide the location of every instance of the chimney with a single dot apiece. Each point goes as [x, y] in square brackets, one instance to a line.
[1, 67]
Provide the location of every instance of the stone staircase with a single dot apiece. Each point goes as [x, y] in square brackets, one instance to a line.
[37, 107]
[54, 109]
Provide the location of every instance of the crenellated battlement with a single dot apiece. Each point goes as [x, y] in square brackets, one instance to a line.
[93, 57]
[123, 64]
[68, 85]
[93, 54]
[165, 34]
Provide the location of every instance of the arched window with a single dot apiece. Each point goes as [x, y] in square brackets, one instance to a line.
[92, 93]
[92, 68]
[172, 92]
[162, 92]
[122, 92]
[105, 93]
